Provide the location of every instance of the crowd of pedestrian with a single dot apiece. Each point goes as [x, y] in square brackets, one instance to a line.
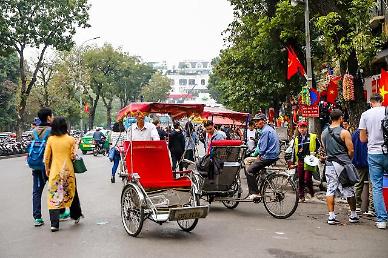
[354, 159]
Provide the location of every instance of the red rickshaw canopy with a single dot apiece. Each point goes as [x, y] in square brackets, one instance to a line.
[176, 111]
[218, 113]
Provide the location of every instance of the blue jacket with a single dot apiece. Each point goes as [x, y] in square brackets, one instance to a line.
[360, 158]
[268, 146]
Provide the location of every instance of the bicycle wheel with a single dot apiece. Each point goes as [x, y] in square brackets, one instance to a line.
[236, 187]
[280, 196]
[189, 224]
[95, 151]
[132, 212]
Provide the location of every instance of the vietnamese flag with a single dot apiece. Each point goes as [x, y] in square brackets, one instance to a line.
[294, 65]
[86, 108]
[383, 87]
[332, 90]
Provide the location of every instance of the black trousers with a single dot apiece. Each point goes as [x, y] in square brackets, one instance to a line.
[75, 208]
[252, 172]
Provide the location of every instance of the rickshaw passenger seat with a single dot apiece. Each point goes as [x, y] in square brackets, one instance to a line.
[152, 163]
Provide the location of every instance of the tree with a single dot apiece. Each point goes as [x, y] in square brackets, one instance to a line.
[8, 85]
[157, 88]
[251, 70]
[38, 24]
[135, 76]
[56, 88]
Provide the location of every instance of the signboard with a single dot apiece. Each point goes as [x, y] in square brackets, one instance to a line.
[310, 111]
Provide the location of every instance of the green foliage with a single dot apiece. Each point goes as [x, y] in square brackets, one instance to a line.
[347, 29]
[251, 71]
[38, 24]
[112, 73]
[157, 88]
[8, 83]
[35, 23]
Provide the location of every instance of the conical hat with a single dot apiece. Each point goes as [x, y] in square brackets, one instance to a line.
[311, 160]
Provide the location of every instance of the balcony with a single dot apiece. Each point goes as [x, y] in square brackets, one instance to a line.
[378, 14]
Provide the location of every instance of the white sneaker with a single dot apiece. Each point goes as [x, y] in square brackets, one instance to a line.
[254, 197]
[381, 225]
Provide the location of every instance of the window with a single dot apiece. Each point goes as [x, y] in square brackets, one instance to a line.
[191, 81]
[203, 82]
[172, 82]
[182, 81]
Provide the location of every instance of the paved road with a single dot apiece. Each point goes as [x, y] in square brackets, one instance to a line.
[247, 231]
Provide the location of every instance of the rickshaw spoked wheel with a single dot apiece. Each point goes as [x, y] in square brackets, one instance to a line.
[236, 187]
[132, 212]
[189, 224]
[280, 195]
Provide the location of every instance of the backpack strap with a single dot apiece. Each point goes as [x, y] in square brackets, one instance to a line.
[36, 135]
[339, 141]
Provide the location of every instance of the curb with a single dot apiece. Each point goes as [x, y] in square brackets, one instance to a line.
[13, 156]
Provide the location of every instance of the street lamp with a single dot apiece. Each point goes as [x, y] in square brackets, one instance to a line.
[308, 51]
[79, 80]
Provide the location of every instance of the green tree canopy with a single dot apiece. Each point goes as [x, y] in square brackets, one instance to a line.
[38, 24]
[157, 89]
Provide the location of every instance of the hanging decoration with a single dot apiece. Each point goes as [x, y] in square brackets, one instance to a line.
[348, 87]
[305, 96]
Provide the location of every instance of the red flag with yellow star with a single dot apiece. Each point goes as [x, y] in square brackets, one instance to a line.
[294, 65]
[332, 89]
[383, 87]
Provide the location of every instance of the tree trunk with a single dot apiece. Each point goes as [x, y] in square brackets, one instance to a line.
[92, 111]
[25, 89]
[108, 106]
[356, 107]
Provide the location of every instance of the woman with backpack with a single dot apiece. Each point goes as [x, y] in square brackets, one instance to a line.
[58, 158]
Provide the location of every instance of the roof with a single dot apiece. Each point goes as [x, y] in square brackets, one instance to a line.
[174, 110]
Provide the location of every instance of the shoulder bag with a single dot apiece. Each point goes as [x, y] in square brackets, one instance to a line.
[79, 165]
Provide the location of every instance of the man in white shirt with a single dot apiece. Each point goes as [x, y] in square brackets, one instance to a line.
[251, 136]
[371, 132]
[142, 131]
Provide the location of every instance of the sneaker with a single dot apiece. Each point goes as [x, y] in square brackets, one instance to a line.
[38, 222]
[64, 216]
[302, 199]
[369, 214]
[112, 179]
[54, 229]
[354, 219]
[332, 221]
[253, 197]
[381, 225]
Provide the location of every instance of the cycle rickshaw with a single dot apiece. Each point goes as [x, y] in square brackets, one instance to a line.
[278, 191]
[150, 190]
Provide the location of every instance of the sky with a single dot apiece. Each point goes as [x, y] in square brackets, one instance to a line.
[159, 30]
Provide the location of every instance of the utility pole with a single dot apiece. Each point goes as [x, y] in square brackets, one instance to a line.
[312, 120]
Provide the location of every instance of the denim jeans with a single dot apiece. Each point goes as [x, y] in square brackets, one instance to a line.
[377, 164]
[116, 161]
[39, 180]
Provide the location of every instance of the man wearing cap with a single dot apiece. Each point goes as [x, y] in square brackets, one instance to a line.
[304, 144]
[268, 150]
[141, 130]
